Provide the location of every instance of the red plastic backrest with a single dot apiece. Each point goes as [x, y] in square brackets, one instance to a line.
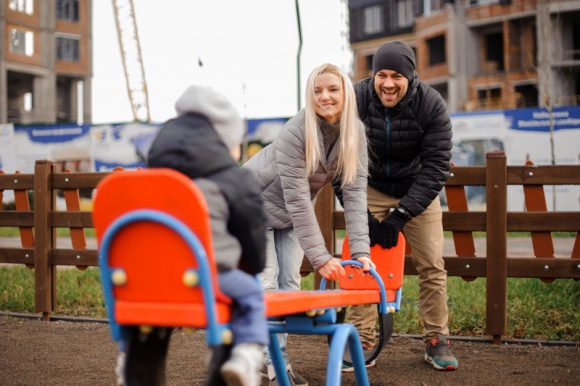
[390, 266]
[153, 256]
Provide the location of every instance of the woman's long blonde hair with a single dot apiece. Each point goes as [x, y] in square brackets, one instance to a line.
[348, 155]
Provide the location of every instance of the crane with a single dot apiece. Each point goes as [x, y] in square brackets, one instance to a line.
[130, 46]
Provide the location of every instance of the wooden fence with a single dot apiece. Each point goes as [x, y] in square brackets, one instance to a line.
[496, 222]
[39, 249]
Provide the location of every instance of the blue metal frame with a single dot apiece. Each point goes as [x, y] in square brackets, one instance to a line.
[324, 324]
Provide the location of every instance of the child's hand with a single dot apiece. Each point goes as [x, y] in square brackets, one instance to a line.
[332, 270]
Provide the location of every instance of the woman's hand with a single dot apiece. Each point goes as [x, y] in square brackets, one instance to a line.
[367, 263]
[332, 270]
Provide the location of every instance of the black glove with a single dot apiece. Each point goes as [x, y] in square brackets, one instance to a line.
[374, 228]
[390, 228]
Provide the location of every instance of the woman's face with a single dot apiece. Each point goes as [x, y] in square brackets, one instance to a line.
[328, 97]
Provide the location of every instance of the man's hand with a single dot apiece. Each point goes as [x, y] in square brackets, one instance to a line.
[390, 228]
[332, 270]
[374, 229]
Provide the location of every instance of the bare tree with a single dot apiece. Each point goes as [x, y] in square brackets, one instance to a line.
[545, 37]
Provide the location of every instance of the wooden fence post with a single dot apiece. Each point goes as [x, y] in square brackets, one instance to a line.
[23, 204]
[44, 272]
[324, 210]
[535, 200]
[463, 240]
[77, 234]
[496, 244]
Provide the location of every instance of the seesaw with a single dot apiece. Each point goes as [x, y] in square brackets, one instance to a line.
[158, 272]
[390, 270]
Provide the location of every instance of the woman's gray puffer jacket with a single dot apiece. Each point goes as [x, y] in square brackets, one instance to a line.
[289, 194]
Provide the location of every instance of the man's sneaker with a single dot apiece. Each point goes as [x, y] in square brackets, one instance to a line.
[295, 378]
[438, 353]
[349, 368]
[242, 367]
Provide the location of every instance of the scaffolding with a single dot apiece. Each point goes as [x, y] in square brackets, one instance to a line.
[130, 46]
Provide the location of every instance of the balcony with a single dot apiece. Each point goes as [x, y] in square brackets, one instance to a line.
[500, 104]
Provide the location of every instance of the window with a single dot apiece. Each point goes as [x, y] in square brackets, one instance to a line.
[27, 99]
[494, 51]
[404, 13]
[26, 6]
[475, 3]
[373, 19]
[526, 96]
[436, 47]
[21, 42]
[434, 5]
[369, 62]
[437, 5]
[67, 49]
[67, 10]
[489, 98]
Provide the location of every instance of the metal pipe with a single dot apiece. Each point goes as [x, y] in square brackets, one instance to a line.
[299, 54]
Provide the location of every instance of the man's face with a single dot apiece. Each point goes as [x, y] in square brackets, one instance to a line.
[391, 87]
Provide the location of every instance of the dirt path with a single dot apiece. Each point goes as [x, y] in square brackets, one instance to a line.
[71, 353]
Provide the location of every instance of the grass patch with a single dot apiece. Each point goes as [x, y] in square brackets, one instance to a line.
[340, 233]
[60, 232]
[79, 293]
[536, 310]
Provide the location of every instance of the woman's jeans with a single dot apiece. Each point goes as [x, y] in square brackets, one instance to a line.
[282, 273]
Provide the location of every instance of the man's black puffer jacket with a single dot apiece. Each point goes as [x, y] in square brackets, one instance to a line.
[409, 144]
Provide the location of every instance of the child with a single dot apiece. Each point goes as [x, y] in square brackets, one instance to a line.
[203, 142]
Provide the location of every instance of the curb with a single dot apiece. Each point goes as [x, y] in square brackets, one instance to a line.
[478, 339]
[473, 339]
[55, 318]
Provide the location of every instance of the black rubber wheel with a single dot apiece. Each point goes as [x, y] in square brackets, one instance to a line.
[146, 356]
[385, 333]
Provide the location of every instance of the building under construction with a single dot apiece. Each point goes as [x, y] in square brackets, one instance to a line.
[45, 61]
[479, 54]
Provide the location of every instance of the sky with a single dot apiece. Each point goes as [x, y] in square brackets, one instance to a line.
[248, 50]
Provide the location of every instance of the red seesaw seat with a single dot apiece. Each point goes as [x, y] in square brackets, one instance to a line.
[154, 258]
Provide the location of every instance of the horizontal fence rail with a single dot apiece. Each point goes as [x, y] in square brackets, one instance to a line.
[37, 227]
[496, 222]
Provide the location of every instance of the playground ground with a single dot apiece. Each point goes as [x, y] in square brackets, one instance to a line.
[33, 352]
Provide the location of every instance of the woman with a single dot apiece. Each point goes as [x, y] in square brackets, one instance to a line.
[324, 141]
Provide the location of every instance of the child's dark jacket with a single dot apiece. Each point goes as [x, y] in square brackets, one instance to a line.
[190, 145]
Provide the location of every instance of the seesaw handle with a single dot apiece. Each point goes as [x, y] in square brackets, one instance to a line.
[383, 292]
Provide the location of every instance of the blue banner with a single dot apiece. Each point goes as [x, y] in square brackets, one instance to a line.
[53, 133]
[563, 118]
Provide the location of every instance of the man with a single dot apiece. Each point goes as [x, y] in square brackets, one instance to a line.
[409, 138]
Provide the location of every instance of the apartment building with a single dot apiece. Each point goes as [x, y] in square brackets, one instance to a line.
[45, 61]
[479, 54]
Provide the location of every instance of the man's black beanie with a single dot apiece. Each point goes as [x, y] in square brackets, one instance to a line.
[395, 56]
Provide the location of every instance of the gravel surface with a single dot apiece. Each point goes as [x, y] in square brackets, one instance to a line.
[33, 352]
